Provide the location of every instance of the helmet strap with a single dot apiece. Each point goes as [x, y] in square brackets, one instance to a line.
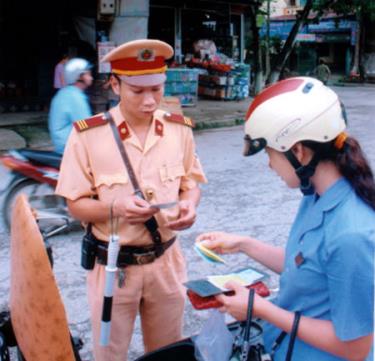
[304, 172]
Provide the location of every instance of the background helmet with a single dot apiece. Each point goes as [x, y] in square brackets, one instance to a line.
[290, 111]
[74, 68]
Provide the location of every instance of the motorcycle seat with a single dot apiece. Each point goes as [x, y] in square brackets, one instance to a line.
[43, 157]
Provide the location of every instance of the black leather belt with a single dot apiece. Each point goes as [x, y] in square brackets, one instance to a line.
[133, 255]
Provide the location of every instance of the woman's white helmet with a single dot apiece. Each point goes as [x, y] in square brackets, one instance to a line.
[291, 111]
[74, 68]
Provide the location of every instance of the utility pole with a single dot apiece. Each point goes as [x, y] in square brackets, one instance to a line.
[258, 67]
[268, 60]
[288, 47]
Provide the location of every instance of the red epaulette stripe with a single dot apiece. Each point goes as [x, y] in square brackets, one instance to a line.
[88, 123]
[178, 118]
[281, 87]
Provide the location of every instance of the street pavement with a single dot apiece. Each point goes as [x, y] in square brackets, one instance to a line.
[242, 196]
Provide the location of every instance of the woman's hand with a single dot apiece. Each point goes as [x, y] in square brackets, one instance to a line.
[186, 217]
[134, 209]
[236, 305]
[221, 242]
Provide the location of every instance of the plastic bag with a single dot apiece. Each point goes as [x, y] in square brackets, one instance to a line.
[215, 342]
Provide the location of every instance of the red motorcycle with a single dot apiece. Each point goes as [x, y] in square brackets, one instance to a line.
[35, 173]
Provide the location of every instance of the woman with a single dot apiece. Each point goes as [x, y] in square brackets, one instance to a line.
[327, 267]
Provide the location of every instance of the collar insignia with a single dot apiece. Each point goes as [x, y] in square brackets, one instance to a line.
[159, 128]
[123, 130]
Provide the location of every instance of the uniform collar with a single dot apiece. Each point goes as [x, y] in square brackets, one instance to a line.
[315, 206]
[156, 132]
[334, 195]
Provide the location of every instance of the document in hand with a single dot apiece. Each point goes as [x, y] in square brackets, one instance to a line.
[207, 254]
[214, 285]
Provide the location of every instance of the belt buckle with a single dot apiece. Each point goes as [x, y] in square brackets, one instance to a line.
[144, 258]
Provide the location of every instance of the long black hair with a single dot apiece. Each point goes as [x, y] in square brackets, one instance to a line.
[352, 164]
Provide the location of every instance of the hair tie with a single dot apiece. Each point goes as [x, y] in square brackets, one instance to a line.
[340, 140]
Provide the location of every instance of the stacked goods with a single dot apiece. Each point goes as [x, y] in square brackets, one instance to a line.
[183, 84]
[241, 76]
[225, 83]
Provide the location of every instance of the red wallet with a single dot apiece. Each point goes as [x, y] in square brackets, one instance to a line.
[203, 303]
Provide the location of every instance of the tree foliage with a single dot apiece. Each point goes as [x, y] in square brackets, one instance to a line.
[347, 7]
[312, 12]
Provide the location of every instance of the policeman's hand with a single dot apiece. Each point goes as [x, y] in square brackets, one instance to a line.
[186, 216]
[236, 305]
[133, 209]
[221, 242]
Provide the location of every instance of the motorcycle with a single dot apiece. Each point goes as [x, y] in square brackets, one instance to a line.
[35, 173]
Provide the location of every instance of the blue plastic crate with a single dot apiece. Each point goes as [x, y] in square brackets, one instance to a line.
[182, 74]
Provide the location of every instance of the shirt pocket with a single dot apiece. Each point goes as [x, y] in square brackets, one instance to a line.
[109, 180]
[169, 173]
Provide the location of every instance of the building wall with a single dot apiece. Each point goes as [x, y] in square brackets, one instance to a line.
[277, 7]
[286, 7]
[131, 21]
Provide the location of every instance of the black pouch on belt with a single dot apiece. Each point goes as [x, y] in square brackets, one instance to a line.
[88, 250]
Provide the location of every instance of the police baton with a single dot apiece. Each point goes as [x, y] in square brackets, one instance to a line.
[110, 274]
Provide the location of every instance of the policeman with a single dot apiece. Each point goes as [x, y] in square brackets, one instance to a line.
[93, 178]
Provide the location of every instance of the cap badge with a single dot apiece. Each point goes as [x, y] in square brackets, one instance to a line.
[146, 55]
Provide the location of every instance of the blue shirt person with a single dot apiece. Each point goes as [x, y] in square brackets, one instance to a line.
[70, 103]
[335, 238]
[327, 267]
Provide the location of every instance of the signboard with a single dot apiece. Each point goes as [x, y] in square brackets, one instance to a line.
[332, 38]
[330, 26]
[306, 37]
[278, 29]
[104, 48]
[328, 30]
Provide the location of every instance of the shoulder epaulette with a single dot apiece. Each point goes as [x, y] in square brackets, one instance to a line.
[179, 118]
[91, 122]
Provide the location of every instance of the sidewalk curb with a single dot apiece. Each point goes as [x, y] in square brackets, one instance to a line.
[33, 142]
[353, 85]
[203, 125]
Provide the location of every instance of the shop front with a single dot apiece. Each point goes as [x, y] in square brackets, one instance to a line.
[34, 35]
[331, 40]
[208, 38]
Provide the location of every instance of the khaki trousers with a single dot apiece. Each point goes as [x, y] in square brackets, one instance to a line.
[154, 290]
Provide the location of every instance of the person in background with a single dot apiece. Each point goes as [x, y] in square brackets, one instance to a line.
[112, 97]
[58, 79]
[327, 267]
[70, 103]
[322, 72]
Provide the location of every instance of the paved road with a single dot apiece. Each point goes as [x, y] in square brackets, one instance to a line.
[243, 196]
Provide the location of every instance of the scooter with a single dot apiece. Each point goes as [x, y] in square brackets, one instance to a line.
[35, 173]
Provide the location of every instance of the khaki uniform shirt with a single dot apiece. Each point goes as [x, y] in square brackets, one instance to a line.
[167, 164]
